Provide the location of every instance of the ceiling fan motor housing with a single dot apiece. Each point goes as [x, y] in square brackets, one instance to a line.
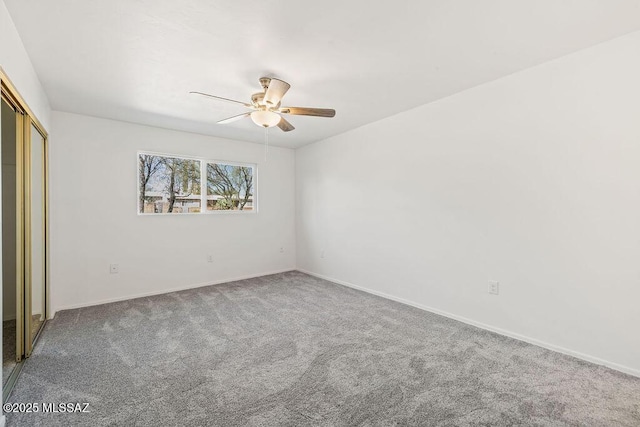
[264, 82]
[257, 99]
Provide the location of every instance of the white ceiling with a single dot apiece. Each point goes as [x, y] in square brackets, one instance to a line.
[137, 60]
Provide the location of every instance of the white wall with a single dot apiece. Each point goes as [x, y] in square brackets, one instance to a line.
[532, 180]
[16, 63]
[94, 220]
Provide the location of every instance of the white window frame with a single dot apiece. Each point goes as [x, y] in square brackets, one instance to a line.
[203, 185]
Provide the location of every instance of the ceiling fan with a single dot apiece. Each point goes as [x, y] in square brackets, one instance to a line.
[266, 106]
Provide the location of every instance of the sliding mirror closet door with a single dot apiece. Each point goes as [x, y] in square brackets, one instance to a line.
[24, 234]
[35, 236]
[11, 124]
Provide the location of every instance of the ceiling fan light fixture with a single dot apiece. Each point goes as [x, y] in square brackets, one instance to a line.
[265, 118]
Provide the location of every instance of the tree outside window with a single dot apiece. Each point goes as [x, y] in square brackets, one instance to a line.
[168, 184]
[229, 187]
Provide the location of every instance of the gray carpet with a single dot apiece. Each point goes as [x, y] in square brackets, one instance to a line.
[294, 350]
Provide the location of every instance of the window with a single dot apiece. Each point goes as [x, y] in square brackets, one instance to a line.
[229, 187]
[169, 184]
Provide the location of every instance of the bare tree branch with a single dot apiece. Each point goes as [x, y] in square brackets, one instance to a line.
[147, 167]
[233, 183]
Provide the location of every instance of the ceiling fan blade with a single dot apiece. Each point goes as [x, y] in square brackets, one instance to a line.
[233, 119]
[222, 99]
[303, 111]
[285, 125]
[276, 90]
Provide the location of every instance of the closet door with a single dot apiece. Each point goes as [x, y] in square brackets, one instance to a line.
[24, 234]
[35, 307]
[12, 125]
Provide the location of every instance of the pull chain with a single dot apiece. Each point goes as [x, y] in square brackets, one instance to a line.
[266, 142]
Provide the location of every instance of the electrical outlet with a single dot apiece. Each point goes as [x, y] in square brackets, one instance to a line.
[494, 287]
[114, 269]
[322, 254]
[209, 258]
[281, 250]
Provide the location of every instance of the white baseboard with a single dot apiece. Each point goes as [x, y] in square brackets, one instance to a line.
[164, 291]
[552, 347]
